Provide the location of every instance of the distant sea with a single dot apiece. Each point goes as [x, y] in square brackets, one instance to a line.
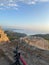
[24, 31]
[28, 32]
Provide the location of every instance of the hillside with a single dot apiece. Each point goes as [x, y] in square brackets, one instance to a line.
[31, 48]
[39, 40]
[14, 35]
[45, 36]
[36, 41]
[31, 54]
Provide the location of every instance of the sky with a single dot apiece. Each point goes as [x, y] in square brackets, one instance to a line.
[25, 14]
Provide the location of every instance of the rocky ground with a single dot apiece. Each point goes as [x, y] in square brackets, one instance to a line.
[32, 55]
[3, 60]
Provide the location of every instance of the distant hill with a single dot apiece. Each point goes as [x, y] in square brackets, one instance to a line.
[45, 36]
[14, 35]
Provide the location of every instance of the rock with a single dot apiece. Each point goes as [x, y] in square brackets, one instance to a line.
[3, 36]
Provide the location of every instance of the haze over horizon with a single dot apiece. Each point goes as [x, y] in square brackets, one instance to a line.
[31, 15]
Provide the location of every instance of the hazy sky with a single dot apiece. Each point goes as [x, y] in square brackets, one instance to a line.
[28, 14]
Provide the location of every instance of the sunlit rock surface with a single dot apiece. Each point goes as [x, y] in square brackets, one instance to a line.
[3, 36]
[36, 41]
